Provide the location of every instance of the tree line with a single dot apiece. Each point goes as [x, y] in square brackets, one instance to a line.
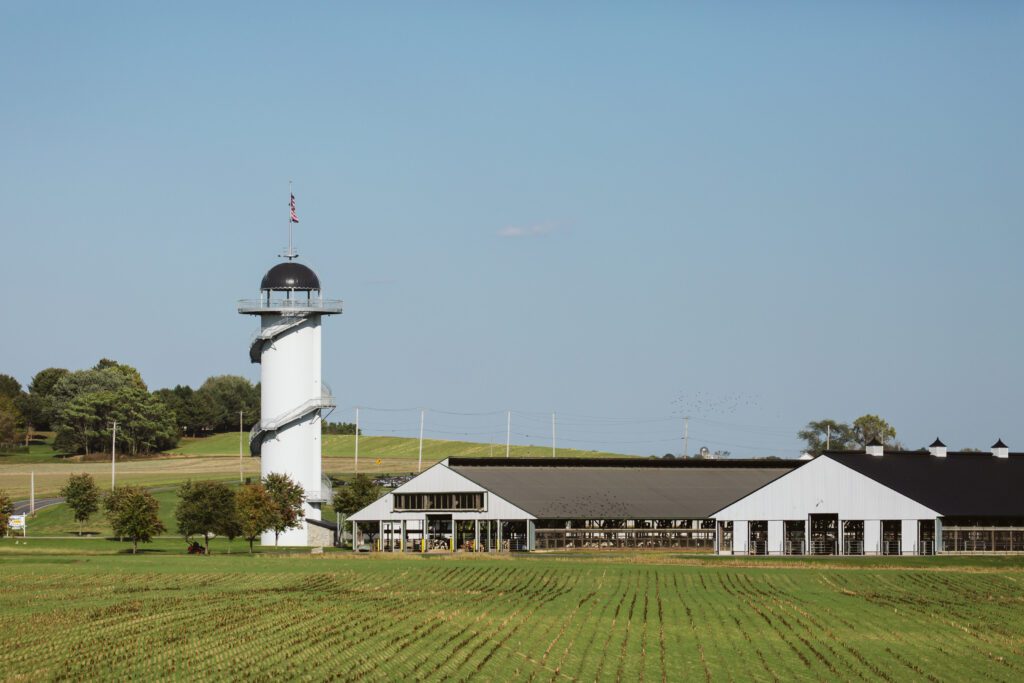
[205, 509]
[822, 435]
[81, 406]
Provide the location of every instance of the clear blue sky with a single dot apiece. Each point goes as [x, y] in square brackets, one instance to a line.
[758, 214]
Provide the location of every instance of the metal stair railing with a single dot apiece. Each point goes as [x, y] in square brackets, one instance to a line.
[324, 494]
[267, 334]
[259, 430]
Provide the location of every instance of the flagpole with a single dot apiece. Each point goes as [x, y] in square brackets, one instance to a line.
[291, 225]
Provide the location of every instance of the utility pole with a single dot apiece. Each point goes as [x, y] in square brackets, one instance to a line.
[686, 436]
[32, 496]
[113, 457]
[828, 437]
[241, 478]
[357, 439]
[552, 434]
[420, 467]
[508, 435]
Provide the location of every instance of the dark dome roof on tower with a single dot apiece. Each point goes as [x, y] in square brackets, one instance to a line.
[290, 275]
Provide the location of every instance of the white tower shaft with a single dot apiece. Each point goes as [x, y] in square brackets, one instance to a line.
[288, 348]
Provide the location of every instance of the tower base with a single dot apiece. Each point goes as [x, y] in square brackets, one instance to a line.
[295, 537]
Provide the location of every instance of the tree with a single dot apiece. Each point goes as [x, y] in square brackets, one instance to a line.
[824, 435]
[83, 403]
[11, 420]
[204, 508]
[193, 411]
[133, 513]
[130, 374]
[356, 495]
[87, 402]
[255, 510]
[339, 428]
[9, 387]
[229, 525]
[82, 496]
[869, 427]
[6, 510]
[287, 497]
[145, 423]
[228, 395]
[39, 403]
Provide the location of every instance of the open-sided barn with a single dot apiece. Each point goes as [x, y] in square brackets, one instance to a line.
[884, 502]
[840, 503]
[541, 503]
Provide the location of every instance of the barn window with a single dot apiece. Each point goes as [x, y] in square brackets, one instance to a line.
[416, 502]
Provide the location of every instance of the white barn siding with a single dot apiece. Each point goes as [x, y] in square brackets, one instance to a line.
[776, 532]
[440, 479]
[908, 539]
[740, 537]
[872, 536]
[823, 486]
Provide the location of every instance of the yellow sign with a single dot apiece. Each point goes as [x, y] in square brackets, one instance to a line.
[378, 461]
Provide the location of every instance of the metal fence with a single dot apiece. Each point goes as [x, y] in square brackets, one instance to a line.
[823, 547]
[566, 539]
[794, 548]
[853, 547]
[982, 539]
[891, 548]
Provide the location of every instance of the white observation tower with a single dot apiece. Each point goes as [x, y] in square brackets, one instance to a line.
[287, 347]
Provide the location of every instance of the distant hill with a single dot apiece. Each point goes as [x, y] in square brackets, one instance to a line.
[388, 448]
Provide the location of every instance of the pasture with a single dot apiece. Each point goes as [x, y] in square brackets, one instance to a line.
[389, 448]
[85, 615]
[216, 457]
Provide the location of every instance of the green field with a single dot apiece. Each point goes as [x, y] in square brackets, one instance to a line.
[57, 521]
[216, 457]
[389, 448]
[81, 615]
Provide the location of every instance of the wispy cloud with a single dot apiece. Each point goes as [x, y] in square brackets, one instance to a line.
[536, 230]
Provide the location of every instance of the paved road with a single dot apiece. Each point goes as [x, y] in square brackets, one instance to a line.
[21, 507]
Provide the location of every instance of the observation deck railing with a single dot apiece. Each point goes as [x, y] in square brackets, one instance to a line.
[311, 304]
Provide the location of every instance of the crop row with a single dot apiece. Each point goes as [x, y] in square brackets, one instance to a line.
[514, 620]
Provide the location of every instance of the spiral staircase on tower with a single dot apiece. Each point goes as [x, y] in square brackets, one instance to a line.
[264, 429]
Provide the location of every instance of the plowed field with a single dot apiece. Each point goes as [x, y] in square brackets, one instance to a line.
[526, 618]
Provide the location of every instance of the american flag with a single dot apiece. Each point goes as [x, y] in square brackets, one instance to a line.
[294, 216]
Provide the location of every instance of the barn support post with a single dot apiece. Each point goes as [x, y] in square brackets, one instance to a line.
[476, 535]
[404, 536]
[776, 533]
[740, 536]
[500, 548]
[872, 536]
[531, 535]
[908, 537]
[938, 535]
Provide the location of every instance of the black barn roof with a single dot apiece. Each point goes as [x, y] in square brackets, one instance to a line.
[620, 488]
[962, 484]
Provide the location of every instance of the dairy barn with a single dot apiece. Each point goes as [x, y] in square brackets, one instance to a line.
[870, 502]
